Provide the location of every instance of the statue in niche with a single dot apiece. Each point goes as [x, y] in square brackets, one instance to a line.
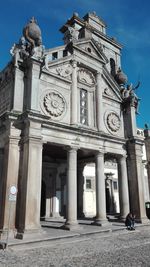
[129, 96]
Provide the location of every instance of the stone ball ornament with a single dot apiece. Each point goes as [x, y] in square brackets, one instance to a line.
[32, 33]
[120, 77]
[54, 104]
[113, 122]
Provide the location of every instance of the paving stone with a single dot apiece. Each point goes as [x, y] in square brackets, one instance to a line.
[121, 248]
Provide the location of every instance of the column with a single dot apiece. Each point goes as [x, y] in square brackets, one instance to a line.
[147, 150]
[130, 121]
[112, 209]
[135, 179]
[71, 189]
[148, 175]
[18, 90]
[33, 84]
[99, 102]
[100, 191]
[55, 211]
[123, 187]
[9, 176]
[80, 190]
[29, 189]
[74, 95]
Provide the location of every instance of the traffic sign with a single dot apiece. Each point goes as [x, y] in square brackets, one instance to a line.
[13, 193]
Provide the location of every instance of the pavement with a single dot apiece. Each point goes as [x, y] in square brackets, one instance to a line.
[51, 230]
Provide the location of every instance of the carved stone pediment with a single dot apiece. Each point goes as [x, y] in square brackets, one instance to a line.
[94, 49]
[85, 76]
[63, 70]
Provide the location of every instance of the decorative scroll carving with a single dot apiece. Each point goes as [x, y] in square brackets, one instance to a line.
[54, 104]
[113, 121]
[108, 92]
[98, 45]
[86, 76]
[64, 71]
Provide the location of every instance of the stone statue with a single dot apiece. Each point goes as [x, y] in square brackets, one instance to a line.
[129, 96]
[146, 126]
[71, 34]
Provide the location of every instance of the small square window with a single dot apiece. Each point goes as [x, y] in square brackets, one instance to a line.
[54, 55]
[65, 53]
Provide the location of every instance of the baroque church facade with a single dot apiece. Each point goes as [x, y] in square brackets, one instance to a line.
[62, 109]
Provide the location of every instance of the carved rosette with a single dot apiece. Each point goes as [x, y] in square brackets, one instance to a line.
[53, 104]
[85, 76]
[113, 122]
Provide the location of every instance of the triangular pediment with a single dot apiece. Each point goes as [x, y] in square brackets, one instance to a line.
[111, 88]
[91, 48]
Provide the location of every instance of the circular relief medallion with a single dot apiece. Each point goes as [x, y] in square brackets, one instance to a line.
[113, 122]
[54, 104]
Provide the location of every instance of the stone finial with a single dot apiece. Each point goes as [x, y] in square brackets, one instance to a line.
[75, 14]
[120, 77]
[32, 33]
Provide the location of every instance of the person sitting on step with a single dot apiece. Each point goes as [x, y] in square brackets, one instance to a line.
[130, 220]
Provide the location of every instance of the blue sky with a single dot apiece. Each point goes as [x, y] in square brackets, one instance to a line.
[128, 21]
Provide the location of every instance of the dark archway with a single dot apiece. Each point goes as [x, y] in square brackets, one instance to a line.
[43, 200]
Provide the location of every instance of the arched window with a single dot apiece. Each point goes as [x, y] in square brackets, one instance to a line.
[112, 67]
[83, 107]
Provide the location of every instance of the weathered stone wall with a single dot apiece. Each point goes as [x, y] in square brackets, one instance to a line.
[6, 90]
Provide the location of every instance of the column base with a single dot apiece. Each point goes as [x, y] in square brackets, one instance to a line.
[55, 215]
[71, 226]
[143, 220]
[5, 234]
[100, 222]
[30, 233]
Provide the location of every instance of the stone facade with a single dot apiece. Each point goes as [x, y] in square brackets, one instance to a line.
[62, 108]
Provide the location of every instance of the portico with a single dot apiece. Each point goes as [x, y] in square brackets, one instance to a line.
[69, 108]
